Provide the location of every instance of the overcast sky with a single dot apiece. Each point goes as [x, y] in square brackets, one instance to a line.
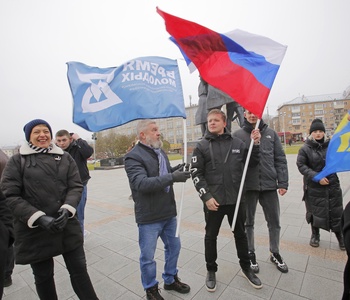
[38, 37]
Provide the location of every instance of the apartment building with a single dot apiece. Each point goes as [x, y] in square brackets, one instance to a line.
[294, 117]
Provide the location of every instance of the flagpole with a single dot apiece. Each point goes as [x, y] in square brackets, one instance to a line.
[179, 215]
[243, 179]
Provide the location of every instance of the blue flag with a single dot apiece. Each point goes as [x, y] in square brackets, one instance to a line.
[338, 153]
[142, 88]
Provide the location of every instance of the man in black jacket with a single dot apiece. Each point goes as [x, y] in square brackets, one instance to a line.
[151, 181]
[80, 150]
[262, 183]
[217, 168]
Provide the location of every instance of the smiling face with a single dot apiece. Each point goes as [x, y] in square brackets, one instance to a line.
[40, 136]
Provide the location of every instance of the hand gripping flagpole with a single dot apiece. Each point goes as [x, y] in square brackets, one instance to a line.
[239, 197]
[179, 215]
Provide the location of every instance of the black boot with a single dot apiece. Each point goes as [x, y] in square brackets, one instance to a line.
[340, 239]
[315, 237]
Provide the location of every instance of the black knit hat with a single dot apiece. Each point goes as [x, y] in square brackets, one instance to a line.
[317, 124]
[30, 125]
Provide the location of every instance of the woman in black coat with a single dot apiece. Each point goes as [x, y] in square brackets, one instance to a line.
[43, 188]
[323, 199]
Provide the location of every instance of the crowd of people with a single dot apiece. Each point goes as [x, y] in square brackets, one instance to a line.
[44, 192]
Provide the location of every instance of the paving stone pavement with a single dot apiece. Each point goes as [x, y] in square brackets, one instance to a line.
[112, 250]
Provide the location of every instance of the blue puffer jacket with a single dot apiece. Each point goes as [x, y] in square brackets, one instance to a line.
[152, 202]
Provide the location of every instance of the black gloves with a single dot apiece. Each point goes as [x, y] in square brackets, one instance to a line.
[181, 176]
[53, 225]
[178, 167]
[47, 223]
[62, 220]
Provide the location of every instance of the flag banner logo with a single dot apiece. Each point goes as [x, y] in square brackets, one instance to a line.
[142, 88]
[241, 64]
[338, 152]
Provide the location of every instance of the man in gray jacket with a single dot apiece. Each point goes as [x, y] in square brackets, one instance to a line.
[262, 183]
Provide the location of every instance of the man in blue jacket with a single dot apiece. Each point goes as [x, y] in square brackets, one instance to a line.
[151, 180]
[261, 184]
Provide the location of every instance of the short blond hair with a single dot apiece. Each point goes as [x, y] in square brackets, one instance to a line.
[217, 111]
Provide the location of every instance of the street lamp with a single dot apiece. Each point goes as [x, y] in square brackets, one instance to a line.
[94, 138]
[284, 131]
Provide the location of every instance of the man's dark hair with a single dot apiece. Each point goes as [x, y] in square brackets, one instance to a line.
[62, 132]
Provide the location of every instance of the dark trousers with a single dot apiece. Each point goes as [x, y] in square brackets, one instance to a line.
[213, 220]
[4, 242]
[10, 262]
[3, 253]
[76, 264]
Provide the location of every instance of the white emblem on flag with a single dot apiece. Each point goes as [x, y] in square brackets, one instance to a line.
[96, 90]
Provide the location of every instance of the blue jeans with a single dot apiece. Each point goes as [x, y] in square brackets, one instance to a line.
[148, 236]
[271, 207]
[81, 208]
[76, 264]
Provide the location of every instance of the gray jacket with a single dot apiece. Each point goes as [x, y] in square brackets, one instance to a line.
[272, 171]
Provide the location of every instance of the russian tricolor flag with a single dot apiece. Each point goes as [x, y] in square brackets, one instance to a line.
[241, 64]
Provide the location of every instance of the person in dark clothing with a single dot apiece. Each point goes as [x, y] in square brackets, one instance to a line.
[262, 183]
[80, 150]
[10, 257]
[217, 167]
[42, 188]
[6, 238]
[151, 180]
[323, 199]
[346, 234]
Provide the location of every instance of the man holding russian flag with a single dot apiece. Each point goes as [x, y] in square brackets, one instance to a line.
[243, 66]
[217, 167]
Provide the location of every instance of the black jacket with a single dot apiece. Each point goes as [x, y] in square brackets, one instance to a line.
[217, 167]
[346, 232]
[6, 225]
[272, 171]
[80, 150]
[42, 184]
[324, 202]
[152, 202]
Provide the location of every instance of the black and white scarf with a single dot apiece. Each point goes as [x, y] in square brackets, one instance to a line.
[39, 149]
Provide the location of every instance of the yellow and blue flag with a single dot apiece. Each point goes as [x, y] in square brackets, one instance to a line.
[338, 153]
[142, 88]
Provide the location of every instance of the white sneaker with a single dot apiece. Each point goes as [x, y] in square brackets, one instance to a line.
[86, 233]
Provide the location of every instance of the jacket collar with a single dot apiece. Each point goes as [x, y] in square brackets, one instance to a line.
[211, 136]
[249, 127]
[26, 150]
